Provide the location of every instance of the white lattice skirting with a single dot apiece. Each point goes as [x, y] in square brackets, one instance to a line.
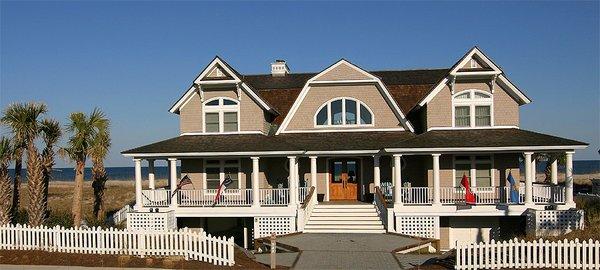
[419, 226]
[553, 222]
[144, 221]
[265, 226]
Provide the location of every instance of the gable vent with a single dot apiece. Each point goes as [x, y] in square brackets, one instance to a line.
[279, 68]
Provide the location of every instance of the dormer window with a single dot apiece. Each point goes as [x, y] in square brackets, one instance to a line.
[472, 108]
[344, 112]
[221, 115]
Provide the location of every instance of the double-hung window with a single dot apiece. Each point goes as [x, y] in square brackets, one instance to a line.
[216, 171]
[221, 115]
[478, 169]
[472, 108]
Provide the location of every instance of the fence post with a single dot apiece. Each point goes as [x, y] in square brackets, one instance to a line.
[273, 251]
[231, 256]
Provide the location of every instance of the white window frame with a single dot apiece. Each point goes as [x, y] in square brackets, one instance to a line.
[473, 171]
[343, 99]
[221, 167]
[473, 102]
[220, 109]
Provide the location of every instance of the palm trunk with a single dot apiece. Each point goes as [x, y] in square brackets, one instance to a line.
[78, 192]
[16, 185]
[5, 195]
[36, 210]
[99, 186]
[48, 164]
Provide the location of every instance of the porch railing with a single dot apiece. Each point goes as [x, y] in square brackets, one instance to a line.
[207, 197]
[483, 195]
[274, 196]
[302, 192]
[156, 198]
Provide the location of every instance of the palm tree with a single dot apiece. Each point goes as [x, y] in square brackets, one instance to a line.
[84, 131]
[51, 132]
[14, 118]
[5, 189]
[36, 209]
[98, 154]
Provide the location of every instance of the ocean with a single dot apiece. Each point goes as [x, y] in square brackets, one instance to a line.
[127, 173]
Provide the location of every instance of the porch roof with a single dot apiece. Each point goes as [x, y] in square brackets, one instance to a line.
[506, 139]
[471, 140]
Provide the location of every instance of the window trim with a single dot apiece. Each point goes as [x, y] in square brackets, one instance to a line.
[473, 170]
[220, 109]
[472, 102]
[221, 167]
[327, 104]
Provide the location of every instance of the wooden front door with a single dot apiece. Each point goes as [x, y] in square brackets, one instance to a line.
[343, 179]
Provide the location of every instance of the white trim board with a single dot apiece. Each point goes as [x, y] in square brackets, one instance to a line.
[213, 154]
[469, 128]
[341, 129]
[381, 87]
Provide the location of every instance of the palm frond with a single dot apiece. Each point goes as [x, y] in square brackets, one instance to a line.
[5, 149]
[51, 131]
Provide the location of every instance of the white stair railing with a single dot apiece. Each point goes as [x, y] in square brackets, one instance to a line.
[381, 206]
[308, 204]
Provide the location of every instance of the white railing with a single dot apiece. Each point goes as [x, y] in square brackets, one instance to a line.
[537, 254]
[483, 195]
[207, 197]
[380, 206]
[156, 198]
[548, 194]
[274, 196]
[387, 189]
[302, 191]
[191, 245]
[121, 215]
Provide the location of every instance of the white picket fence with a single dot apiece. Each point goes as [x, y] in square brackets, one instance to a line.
[536, 254]
[186, 243]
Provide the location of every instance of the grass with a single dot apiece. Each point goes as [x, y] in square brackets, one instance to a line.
[60, 200]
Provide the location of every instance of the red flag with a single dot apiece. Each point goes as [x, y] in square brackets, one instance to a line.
[469, 196]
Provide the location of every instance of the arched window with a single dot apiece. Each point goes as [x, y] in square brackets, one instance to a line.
[221, 115]
[472, 108]
[344, 112]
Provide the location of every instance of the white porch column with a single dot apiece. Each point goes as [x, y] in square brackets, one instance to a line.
[138, 183]
[436, 179]
[151, 183]
[173, 180]
[554, 172]
[255, 182]
[569, 178]
[376, 171]
[533, 168]
[528, 179]
[313, 171]
[293, 183]
[397, 180]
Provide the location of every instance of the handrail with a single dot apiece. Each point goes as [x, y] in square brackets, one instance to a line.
[308, 197]
[381, 206]
[380, 196]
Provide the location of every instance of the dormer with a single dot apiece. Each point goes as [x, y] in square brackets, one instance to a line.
[279, 68]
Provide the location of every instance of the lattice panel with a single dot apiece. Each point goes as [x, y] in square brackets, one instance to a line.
[420, 226]
[264, 226]
[554, 222]
[151, 221]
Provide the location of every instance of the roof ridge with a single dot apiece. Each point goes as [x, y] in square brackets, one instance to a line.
[381, 70]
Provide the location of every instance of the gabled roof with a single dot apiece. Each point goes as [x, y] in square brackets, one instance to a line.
[493, 69]
[232, 77]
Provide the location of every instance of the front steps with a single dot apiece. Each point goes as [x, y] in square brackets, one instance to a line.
[344, 218]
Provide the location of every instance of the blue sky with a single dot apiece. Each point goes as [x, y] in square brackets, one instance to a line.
[134, 59]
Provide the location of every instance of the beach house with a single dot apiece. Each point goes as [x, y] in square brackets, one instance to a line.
[348, 150]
